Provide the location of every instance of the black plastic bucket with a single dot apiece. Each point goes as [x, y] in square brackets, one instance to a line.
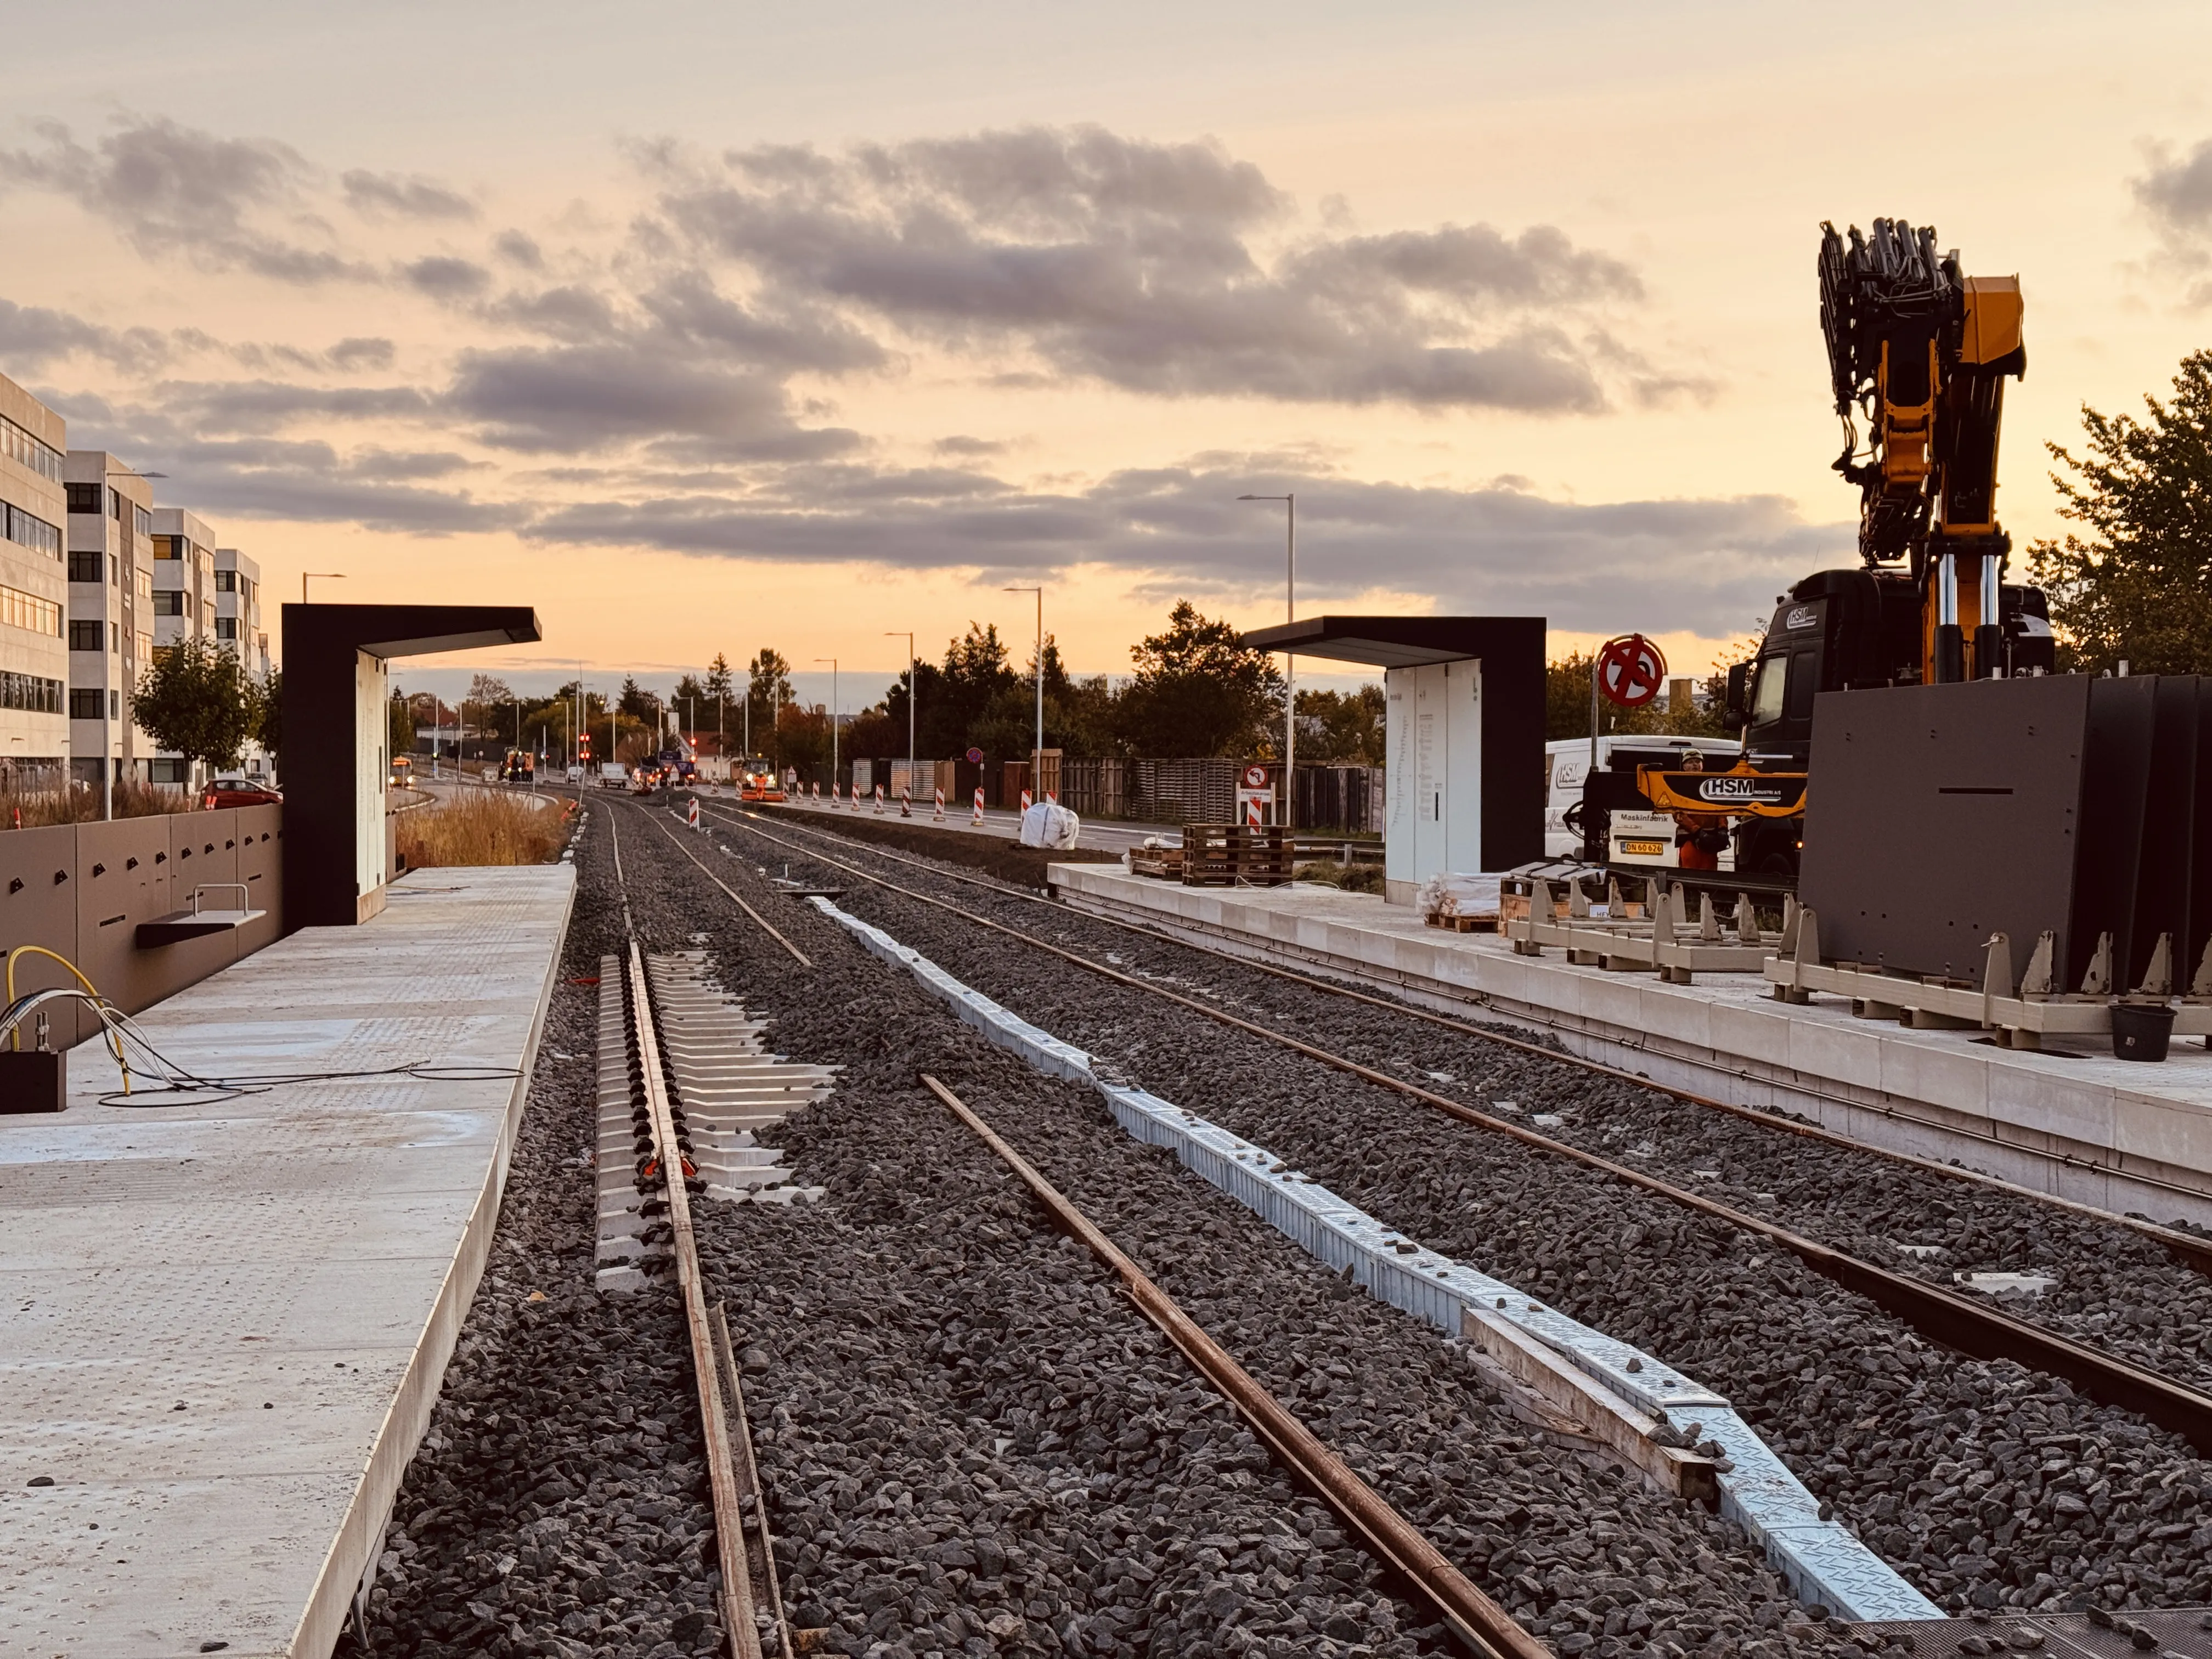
[2140, 1030]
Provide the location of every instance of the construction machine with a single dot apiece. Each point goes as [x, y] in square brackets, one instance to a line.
[1920, 352]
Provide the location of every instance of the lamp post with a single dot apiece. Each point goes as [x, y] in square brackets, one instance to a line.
[1037, 763]
[913, 696]
[832, 661]
[1290, 662]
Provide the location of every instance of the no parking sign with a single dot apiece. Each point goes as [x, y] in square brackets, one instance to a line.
[1631, 670]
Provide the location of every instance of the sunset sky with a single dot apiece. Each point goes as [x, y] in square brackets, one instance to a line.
[706, 327]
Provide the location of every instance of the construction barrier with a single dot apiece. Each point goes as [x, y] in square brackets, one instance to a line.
[691, 813]
[939, 814]
[880, 797]
[978, 818]
[906, 802]
[1025, 803]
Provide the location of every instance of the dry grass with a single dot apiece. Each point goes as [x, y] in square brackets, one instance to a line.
[483, 826]
[32, 809]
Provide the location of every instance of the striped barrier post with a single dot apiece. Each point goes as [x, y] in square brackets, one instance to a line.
[1025, 803]
[691, 814]
[906, 802]
[978, 818]
[939, 814]
[1251, 811]
[880, 797]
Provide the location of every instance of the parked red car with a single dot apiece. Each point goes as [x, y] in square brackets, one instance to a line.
[237, 792]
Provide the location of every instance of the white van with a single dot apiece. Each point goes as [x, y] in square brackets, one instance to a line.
[1567, 763]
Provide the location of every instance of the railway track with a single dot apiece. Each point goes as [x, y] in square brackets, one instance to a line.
[1944, 1316]
[2158, 1481]
[811, 1309]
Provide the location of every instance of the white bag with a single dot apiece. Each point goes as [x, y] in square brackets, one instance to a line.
[1051, 826]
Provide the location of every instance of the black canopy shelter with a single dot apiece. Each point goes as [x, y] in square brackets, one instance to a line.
[337, 854]
[1511, 650]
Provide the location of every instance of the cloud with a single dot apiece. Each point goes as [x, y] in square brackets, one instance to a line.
[390, 195]
[579, 398]
[32, 337]
[516, 248]
[359, 351]
[1143, 265]
[444, 278]
[1658, 566]
[2176, 195]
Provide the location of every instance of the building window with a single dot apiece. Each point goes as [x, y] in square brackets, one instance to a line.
[145, 585]
[87, 635]
[115, 506]
[85, 705]
[168, 601]
[42, 458]
[225, 581]
[207, 616]
[32, 693]
[83, 498]
[27, 611]
[226, 627]
[34, 533]
[169, 771]
[141, 519]
[145, 647]
[114, 705]
[88, 567]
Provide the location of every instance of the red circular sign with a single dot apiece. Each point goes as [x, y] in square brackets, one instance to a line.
[1631, 670]
[1256, 777]
[975, 757]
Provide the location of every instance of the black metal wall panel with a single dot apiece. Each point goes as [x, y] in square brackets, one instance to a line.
[1938, 814]
[2199, 844]
[2121, 738]
[2170, 830]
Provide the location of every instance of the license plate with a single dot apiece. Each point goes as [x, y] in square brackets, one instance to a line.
[1644, 849]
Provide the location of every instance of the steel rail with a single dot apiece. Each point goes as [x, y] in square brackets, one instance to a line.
[1945, 1317]
[803, 959]
[2196, 1252]
[1472, 1617]
[721, 1468]
[748, 1481]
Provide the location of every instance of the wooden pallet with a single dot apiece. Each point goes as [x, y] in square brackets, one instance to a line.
[1165, 862]
[1235, 854]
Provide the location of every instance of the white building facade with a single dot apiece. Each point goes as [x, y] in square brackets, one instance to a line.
[34, 594]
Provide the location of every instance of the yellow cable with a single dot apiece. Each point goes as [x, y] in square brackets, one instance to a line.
[16, 1036]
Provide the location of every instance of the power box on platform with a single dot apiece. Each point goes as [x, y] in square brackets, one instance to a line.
[32, 1080]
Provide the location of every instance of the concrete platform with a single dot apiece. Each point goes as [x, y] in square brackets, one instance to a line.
[222, 1325]
[2078, 1124]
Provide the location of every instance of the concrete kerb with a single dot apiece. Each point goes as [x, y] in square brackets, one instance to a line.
[1823, 1562]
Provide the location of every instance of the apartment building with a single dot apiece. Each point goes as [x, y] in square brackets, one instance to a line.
[110, 614]
[238, 625]
[34, 593]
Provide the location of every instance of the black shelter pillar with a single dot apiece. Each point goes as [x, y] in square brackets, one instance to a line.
[337, 853]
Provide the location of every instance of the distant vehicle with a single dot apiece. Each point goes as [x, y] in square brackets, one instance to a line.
[613, 775]
[760, 784]
[222, 792]
[403, 770]
[520, 766]
[1566, 767]
[644, 781]
[575, 775]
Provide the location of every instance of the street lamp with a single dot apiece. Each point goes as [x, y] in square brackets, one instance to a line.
[1290, 662]
[913, 696]
[327, 575]
[832, 661]
[1037, 760]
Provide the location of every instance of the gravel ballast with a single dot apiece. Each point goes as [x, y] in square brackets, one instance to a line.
[1987, 1484]
[972, 1444]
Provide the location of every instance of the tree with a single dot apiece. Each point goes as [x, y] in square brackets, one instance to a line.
[401, 721]
[198, 702]
[1197, 691]
[489, 688]
[2138, 585]
[1343, 728]
[269, 724]
[718, 683]
[635, 701]
[1567, 701]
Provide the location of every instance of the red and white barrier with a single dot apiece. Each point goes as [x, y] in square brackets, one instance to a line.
[691, 815]
[1025, 803]
[1252, 811]
[906, 802]
[880, 797]
[978, 818]
[939, 814]
[817, 788]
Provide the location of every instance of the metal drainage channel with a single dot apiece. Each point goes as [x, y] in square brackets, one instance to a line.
[1953, 1320]
[2195, 1251]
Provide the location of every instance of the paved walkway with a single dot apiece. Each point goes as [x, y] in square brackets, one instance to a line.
[222, 1324]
